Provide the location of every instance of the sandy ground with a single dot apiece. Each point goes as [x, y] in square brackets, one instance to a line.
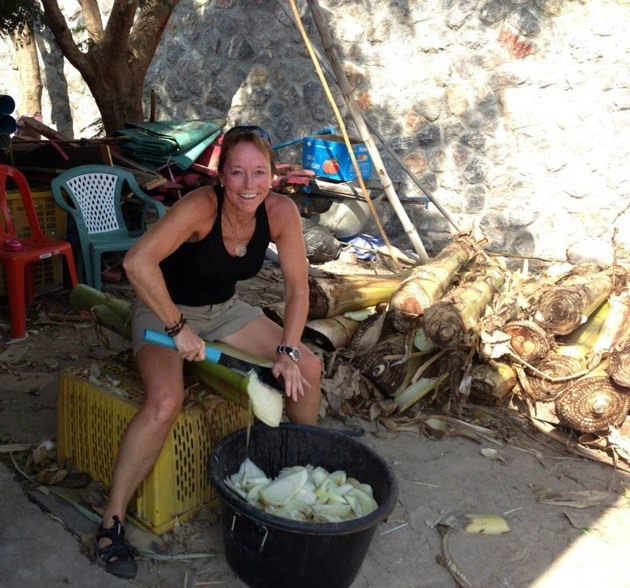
[549, 544]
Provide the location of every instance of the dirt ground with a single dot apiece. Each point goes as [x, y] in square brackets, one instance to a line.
[579, 536]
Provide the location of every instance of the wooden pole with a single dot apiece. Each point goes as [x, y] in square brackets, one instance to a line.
[331, 100]
[411, 175]
[398, 159]
[153, 113]
[364, 133]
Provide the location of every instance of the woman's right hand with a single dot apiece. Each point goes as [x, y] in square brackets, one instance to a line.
[189, 345]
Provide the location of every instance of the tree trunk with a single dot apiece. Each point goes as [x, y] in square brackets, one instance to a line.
[29, 100]
[118, 57]
[118, 97]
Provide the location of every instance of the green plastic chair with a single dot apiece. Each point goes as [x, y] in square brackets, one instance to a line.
[92, 194]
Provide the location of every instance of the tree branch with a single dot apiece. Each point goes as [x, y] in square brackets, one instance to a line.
[118, 25]
[147, 33]
[59, 27]
[93, 20]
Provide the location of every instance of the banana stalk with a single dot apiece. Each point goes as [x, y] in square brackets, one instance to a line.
[117, 320]
[562, 309]
[450, 320]
[581, 343]
[115, 314]
[418, 390]
[360, 315]
[369, 332]
[593, 403]
[491, 382]
[421, 342]
[343, 293]
[426, 285]
[568, 360]
[330, 333]
[619, 365]
[614, 328]
[528, 340]
[333, 332]
[387, 367]
[84, 298]
[552, 376]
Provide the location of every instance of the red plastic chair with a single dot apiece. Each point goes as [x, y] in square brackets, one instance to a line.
[18, 254]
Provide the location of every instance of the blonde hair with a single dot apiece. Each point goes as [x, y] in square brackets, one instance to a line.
[254, 135]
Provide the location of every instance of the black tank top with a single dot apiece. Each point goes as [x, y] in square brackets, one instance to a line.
[204, 272]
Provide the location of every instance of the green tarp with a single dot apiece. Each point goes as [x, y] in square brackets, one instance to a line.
[178, 143]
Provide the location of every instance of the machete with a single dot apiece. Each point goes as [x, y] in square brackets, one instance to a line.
[215, 355]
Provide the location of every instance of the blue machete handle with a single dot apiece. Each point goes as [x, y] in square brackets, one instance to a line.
[212, 353]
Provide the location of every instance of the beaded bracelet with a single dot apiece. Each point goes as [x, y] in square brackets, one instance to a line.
[176, 328]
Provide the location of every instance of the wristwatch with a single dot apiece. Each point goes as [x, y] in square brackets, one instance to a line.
[292, 352]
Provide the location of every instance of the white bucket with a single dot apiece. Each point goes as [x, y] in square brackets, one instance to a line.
[345, 218]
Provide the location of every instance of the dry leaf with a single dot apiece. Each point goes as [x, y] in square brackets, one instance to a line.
[492, 454]
[580, 498]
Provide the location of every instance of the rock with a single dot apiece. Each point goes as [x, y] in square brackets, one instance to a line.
[595, 251]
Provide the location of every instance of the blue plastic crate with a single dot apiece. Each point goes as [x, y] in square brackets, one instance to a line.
[328, 157]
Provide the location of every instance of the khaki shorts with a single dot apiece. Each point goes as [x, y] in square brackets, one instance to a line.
[211, 322]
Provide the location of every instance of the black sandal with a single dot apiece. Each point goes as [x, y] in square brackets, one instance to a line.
[117, 557]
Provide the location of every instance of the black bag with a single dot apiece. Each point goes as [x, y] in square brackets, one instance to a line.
[321, 244]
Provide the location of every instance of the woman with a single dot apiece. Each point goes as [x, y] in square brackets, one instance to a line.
[184, 271]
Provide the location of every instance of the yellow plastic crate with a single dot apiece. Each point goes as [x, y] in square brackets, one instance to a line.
[91, 421]
[52, 220]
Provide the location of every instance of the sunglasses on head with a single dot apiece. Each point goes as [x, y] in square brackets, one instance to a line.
[241, 129]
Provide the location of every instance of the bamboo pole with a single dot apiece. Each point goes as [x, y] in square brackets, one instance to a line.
[395, 155]
[344, 132]
[362, 128]
[411, 175]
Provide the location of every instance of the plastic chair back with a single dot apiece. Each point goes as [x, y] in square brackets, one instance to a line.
[20, 251]
[7, 230]
[93, 194]
[97, 195]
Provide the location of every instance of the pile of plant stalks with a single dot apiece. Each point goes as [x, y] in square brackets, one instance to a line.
[464, 330]
[459, 331]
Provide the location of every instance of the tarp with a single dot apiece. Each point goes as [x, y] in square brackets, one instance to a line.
[170, 142]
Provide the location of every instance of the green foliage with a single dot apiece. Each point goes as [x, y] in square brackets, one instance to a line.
[16, 14]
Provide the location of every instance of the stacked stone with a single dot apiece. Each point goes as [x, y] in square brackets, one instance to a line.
[511, 112]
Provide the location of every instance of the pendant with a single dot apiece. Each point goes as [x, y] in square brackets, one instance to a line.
[240, 250]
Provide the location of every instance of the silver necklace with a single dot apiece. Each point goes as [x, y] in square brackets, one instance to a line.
[241, 249]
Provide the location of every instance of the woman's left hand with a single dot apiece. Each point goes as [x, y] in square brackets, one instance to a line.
[294, 382]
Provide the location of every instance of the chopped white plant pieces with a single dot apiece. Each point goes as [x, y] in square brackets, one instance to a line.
[304, 493]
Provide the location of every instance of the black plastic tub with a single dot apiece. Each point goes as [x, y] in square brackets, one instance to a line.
[269, 551]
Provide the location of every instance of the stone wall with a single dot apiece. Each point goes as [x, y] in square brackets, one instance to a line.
[514, 114]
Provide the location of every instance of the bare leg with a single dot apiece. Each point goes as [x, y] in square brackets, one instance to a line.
[140, 446]
[261, 337]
